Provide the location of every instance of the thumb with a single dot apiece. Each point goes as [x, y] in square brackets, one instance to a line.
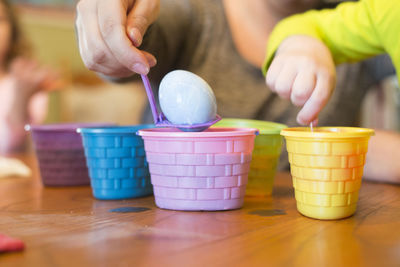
[142, 14]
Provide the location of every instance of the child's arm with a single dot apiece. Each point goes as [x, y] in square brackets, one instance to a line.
[23, 91]
[302, 67]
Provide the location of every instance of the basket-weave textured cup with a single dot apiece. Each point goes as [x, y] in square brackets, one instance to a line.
[265, 159]
[116, 160]
[60, 153]
[327, 167]
[199, 170]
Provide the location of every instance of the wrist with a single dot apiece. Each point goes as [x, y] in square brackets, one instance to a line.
[298, 43]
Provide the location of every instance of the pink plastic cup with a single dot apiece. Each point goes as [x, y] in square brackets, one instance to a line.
[199, 170]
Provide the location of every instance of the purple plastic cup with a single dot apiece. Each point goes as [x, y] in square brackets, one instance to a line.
[60, 153]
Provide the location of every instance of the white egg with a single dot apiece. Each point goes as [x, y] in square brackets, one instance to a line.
[186, 98]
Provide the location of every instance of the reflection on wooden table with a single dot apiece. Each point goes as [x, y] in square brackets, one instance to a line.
[68, 227]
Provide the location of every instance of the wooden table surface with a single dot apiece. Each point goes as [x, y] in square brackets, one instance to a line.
[68, 227]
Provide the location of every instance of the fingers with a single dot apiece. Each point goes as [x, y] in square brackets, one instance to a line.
[150, 58]
[51, 79]
[291, 82]
[318, 99]
[303, 71]
[23, 69]
[143, 13]
[302, 88]
[27, 75]
[273, 73]
[103, 41]
[94, 52]
[284, 81]
[112, 25]
[315, 122]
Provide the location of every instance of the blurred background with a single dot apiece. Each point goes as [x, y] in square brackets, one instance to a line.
[49, 27]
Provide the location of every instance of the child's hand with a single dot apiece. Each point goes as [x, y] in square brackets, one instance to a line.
[30, 77]
[304, 72]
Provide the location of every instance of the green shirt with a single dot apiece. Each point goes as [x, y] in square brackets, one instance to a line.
[353, 31]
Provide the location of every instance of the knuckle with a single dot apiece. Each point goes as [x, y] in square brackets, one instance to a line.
[92, 61]
[141, 21]
[302, 92]
[283, 89]
[108, 27]
[298, 98]
[270, 82]
[309, 62]
[98, 56]
[90, 65]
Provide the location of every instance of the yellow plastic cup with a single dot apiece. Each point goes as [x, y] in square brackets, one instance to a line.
[327, 166]
[265, 157]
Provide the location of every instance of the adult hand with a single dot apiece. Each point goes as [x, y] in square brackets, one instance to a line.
[109, 33]
[304, 72]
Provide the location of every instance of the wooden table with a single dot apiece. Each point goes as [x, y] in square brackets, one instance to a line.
[68, 227]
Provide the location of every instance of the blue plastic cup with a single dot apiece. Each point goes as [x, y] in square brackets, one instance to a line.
[116, 161]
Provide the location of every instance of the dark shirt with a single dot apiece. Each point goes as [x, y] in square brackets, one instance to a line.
[195, 36]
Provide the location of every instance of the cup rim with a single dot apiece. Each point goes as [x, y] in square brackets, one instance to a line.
[64, 127]
[327, 132]
[114, 129]
[210, 132]
[264, 127]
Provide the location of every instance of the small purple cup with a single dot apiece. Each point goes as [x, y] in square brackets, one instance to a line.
[60, 153]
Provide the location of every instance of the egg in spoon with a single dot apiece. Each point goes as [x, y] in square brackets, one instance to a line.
[186, 100]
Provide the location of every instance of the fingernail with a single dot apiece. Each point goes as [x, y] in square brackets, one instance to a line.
[152, 61]
[301, 121]
[136, 37]
[140, 68]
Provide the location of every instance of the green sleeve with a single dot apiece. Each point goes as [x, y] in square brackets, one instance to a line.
[353, 31]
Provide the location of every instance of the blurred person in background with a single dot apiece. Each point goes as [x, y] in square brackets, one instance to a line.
[23, 84]
[223, 41]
